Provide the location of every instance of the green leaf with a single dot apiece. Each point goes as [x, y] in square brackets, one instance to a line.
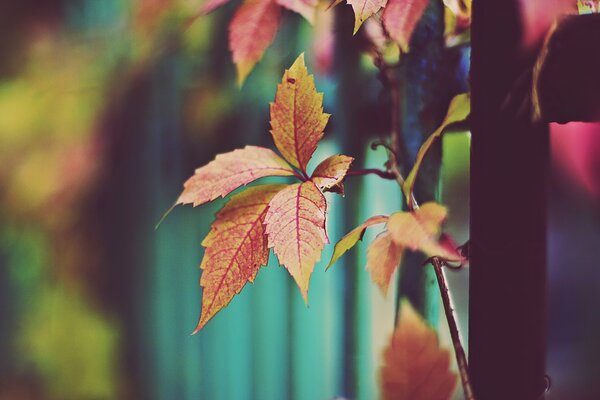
[352, 237]
[459, 110]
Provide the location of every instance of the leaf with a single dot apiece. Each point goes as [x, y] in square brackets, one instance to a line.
[383, 257]
[459, 110]
[417, 230]
[400, 18]
[211, 5]
[306, 8]
[236, 248]
[363, 9]
[415, 367]
[295, 225]
[323, 41]
[251, 30]
[352, 237]
[331, 172]
[297, 118]
[231, 170]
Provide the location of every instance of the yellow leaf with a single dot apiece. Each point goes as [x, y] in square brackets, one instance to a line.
[352, 237]
[459, 109]
[363, 9]
[415, 367]
[331, 172]
[297, 118]
[295, 226]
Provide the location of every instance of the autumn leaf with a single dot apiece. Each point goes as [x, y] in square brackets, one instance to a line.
[236, 248]
[352, 237]
[323, 41]
[459, 109]
[251, 30]
[295, 226]
[415, 367]
[417, 230]
[331, 172]
[306, 8]
[231, 170]
[383, 257]
[400, 18]
[363, 9]
[297, 118]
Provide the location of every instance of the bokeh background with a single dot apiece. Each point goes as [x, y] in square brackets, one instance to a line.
[107, 106]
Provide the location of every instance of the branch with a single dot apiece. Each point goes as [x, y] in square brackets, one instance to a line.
[461, 358]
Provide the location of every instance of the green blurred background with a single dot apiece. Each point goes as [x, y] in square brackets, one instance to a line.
[106, 107]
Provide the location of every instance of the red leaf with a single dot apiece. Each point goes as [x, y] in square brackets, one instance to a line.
[231, 170]
[251, 31]
[400, 18]
[331, 172]
[306, 8]
[383, 257]
[236, 248]
[297, 118]
[415, 367]
[295, 226]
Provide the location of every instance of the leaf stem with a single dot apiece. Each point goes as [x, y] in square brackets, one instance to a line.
[459, 351]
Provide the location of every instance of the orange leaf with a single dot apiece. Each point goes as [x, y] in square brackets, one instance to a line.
[417, 230]
[297, 118]
[383, 257]
[352, 237]
[295, 225]
[400, 18]
[363, 9]
[229, 171]
[415, 367]
[306, 8]
[236, 248]
[331, 171]
[251, 31]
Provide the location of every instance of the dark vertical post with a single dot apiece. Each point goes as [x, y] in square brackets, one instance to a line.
[509, 156]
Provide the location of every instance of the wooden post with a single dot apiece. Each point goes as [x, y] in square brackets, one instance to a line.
[509, 157]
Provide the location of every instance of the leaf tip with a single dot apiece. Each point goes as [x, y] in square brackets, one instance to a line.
[243, 70]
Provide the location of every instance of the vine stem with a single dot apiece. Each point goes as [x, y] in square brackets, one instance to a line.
[459, 351]
[360, 172]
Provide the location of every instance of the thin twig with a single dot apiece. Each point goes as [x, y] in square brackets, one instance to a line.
[379, 172]
[461, 358]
